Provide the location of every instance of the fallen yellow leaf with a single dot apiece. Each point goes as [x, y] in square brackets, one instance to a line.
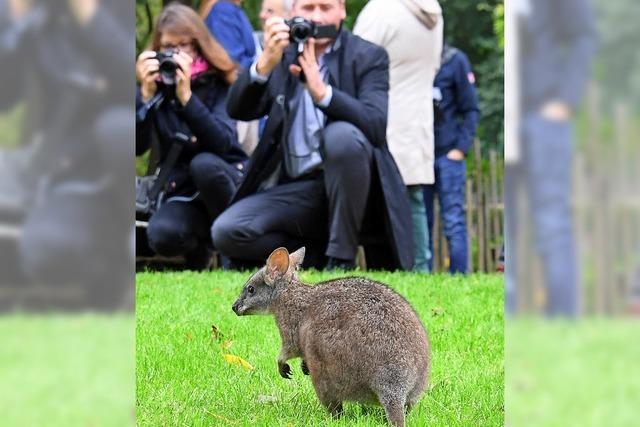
[236, 360]
[220, 417]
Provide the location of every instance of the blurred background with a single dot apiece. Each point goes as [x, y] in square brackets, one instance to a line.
[66, 212]
[572, 203]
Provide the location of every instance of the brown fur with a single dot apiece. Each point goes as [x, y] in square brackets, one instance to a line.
[359, 340]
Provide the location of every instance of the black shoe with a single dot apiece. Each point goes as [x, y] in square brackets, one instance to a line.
[339, 264]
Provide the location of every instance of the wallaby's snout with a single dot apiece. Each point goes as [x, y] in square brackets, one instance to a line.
[235, 307]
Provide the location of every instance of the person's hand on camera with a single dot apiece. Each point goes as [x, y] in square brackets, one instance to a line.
[147, 68]
[276, 39]
[309, 66]
[183, 77]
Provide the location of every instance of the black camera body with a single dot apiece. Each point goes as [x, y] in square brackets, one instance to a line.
[300, 30]
[168, 67]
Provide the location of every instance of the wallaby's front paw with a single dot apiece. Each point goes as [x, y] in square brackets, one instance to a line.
[304, 367]
[285, 370]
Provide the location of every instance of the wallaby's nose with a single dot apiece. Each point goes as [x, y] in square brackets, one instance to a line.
[234, 307]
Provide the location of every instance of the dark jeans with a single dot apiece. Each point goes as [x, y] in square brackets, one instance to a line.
[330, 207]
[545, 171]
[182, 227]
[449, 184]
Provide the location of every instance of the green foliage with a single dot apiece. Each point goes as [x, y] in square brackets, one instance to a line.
[477, 28]
[183, 378]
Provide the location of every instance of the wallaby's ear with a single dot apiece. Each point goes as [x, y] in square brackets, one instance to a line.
[295, 259]
[277, 264]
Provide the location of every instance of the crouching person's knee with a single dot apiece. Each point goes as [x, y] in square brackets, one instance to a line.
[205, 167]
[345, 143]
[223, 231]
[168, 237]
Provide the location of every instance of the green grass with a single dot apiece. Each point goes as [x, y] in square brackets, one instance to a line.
[582, 373]
[183, 379]
[67, 370]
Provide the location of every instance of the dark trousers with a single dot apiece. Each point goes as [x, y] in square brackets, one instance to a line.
[182, 227]
[328, 208]
[449, 184]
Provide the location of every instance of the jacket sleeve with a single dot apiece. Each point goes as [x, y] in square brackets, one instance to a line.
[248, 100]
[209, 123]
[144, 122]
[466, 102]
[574, 24]
[367, 111]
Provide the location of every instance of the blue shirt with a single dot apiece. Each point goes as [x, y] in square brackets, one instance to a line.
[230, 26]
[457, 114]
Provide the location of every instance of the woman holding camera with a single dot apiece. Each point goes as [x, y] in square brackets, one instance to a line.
[184, 79]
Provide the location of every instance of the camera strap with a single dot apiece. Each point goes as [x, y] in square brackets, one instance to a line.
[326, 32]
[179, 139]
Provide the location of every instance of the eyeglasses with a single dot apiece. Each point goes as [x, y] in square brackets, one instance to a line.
[180, 46]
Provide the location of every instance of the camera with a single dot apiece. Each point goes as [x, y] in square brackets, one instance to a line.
[300, 30]
[168, 67]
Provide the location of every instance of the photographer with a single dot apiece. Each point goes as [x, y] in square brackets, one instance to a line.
[322, 160]
[183, 87]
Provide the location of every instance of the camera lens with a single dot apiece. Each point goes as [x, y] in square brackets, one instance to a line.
[301, 32]
[300, 29]
[168, 67]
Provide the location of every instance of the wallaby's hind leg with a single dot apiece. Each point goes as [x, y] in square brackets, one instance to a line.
[412, 401]
[325, 393]
[333, 406]
[394, 408]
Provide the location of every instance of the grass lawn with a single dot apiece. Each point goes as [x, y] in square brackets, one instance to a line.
[64, 370]
[572, 373]
[187, 340]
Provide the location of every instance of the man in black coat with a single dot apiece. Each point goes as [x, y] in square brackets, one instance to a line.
[321, 175]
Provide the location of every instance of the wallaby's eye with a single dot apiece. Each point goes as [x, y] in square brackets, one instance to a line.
[251, 289]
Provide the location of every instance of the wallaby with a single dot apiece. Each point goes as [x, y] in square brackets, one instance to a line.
[359, 340]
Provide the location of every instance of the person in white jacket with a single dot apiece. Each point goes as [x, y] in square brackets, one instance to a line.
[412, 32]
